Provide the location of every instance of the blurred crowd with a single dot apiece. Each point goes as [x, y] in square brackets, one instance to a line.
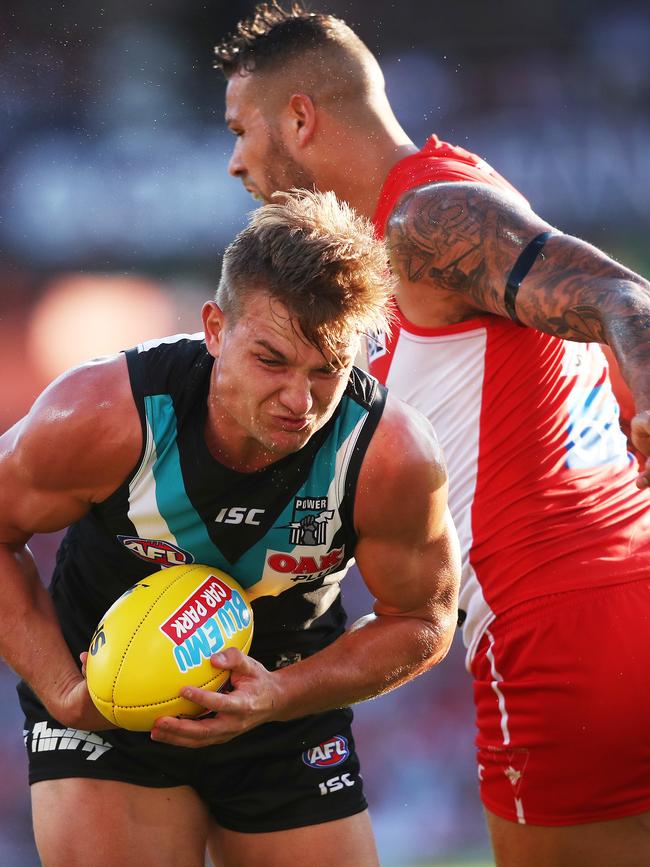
[115, 206]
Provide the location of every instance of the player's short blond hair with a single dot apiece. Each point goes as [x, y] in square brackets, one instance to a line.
[317, 257]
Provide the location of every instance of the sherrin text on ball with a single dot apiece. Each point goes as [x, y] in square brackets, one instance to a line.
[158, 637]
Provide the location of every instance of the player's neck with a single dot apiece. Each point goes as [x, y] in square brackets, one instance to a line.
[360, 175]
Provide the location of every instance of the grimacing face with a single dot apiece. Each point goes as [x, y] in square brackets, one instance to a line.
[271, 390]
[260, 158]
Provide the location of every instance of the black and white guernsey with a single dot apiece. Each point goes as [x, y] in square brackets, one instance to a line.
[285, 532]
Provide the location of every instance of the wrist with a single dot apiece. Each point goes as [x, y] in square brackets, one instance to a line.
[59, 697]
[284, 700]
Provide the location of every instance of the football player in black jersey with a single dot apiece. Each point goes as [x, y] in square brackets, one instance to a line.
[273, 774]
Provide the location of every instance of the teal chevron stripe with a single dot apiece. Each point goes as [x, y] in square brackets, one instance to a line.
[318, 483]
[171, 497]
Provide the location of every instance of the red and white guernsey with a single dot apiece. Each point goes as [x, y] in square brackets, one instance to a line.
[541, 485]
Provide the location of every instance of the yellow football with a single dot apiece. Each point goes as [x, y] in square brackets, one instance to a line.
[158, 637]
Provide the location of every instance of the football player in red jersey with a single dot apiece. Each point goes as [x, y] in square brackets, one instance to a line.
[500, 317]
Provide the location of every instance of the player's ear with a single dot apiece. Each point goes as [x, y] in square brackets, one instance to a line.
[213, 324]
[302, 118]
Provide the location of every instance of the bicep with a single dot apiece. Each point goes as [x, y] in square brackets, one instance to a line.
[28, 504]
[407, 550]
[409, 577]
[464, 240]
[460, 239]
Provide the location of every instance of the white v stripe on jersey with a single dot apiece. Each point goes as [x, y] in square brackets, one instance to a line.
[143, 508]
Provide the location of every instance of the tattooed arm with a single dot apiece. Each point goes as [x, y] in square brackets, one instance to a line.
[462, 239]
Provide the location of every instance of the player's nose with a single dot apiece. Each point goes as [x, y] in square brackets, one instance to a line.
[296, 396]
[235, 164]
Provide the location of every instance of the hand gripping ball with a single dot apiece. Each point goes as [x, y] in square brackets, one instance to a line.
[158, 637]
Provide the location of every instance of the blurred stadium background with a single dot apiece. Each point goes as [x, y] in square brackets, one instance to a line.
[115, 206]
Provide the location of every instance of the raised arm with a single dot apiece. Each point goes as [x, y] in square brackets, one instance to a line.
[408, 556]
[464, 240]
[77, 444]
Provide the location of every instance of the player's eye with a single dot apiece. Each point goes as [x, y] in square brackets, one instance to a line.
[330, 371]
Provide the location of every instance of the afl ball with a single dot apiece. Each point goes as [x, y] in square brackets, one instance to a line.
[158, 637]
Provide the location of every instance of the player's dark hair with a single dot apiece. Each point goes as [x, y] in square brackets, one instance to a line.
[272, 35]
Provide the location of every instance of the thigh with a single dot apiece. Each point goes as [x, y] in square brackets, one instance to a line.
[563, 709]
[347, 841]
[285, 776]
[617, 843]
[79, 821]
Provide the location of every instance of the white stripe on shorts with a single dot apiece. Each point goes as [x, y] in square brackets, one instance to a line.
[519, 807]
[495, 686]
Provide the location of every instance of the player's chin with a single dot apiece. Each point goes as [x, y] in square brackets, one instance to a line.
[284, 442]
[258, 196]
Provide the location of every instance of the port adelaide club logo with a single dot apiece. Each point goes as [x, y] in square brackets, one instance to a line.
[309, 521]
[307, 529]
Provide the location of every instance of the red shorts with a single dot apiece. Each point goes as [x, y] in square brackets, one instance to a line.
[562, 695]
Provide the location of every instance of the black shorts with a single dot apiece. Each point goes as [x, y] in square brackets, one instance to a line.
[278, 776]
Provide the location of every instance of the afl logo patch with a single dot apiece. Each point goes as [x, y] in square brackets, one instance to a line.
[156, 551]
[328, 754]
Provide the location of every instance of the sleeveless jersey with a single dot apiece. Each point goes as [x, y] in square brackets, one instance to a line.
[541, 487]
[285, 532]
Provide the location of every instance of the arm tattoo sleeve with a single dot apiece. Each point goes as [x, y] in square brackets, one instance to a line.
[465, 239]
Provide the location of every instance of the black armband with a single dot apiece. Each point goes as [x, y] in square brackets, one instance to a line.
[521, 267]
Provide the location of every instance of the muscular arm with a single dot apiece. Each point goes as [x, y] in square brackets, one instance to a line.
[74, 448]
[462, 240]
[408, 556]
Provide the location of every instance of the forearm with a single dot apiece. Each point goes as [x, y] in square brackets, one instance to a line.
[628, 336]
[367, 661]
[31, 641]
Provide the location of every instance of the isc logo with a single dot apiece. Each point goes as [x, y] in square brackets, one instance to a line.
[335, 784]
[239, 515]
[329, 753]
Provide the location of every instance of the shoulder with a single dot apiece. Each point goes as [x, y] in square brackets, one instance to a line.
[453, 203]
[403, 476]
[405, 441]
[82, 432]
[461, 238]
